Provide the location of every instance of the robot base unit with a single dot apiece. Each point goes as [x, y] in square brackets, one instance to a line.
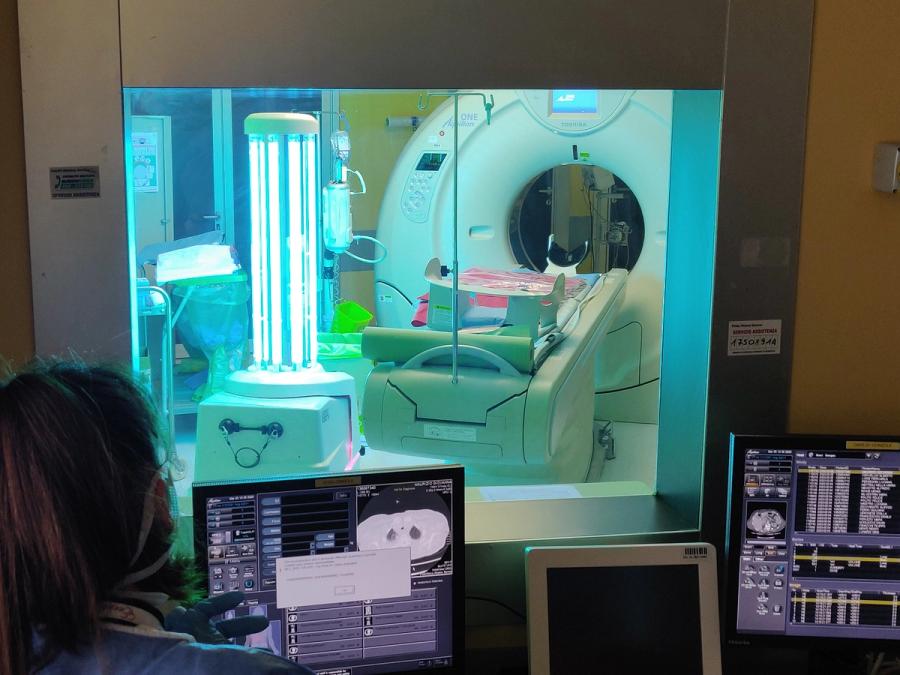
[294, 427]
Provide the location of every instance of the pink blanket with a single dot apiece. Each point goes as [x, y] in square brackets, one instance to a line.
[501, 280]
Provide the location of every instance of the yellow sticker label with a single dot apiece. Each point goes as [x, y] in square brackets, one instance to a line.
[873, 445]
[338, 482]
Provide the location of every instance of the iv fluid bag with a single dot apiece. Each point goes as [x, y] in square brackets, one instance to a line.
[337, 227]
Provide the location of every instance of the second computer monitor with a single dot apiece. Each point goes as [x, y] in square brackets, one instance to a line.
[814, 542]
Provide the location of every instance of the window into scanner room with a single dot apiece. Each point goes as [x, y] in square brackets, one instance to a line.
[303, 257]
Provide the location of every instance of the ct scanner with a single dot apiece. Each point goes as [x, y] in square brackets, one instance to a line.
[627, 133]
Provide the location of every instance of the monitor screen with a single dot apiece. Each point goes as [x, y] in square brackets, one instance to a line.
[358, 574]
[645, 615]
[814, 539]
[635, 608]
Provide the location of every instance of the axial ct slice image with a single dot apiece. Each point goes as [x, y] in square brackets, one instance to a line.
[766, 522]
[407, 518]
[423, 531]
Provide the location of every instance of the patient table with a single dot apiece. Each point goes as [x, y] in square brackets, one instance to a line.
[522, 409]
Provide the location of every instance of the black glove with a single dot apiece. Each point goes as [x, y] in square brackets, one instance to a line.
[196, 620]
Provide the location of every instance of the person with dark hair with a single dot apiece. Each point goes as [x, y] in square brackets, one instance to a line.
[87, 581]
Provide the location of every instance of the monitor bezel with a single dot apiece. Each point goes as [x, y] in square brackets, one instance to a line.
[739, 445]
[540, 559]
[455, 472]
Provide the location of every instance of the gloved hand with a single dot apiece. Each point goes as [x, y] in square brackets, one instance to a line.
[196, 620]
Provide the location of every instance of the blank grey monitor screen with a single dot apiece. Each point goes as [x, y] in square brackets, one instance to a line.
[639, 618]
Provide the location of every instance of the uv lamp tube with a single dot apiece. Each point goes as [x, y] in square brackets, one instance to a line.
[311, 291]
[297, 250]
[264, 278]
[255, 239]
[284, 249]
[275, 283]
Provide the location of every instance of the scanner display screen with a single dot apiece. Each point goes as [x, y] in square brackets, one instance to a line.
[574, 101]
[431, 161]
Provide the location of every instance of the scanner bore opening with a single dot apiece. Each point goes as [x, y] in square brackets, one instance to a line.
[594, 217]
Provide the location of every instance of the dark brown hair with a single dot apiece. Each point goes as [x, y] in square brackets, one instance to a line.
[79, 451]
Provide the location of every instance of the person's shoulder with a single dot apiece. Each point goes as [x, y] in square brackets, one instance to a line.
[136, 653]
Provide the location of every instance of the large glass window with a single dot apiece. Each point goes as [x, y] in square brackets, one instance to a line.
[570, 232]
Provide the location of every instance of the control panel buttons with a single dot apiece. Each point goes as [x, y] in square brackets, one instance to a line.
[417, 195]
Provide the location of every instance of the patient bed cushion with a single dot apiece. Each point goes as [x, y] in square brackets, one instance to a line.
[399, 345]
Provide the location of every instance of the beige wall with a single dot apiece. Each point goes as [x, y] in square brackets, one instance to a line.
[16, 329]
[846, 372]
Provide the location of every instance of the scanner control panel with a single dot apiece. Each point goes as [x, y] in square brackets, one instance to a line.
[419, 189]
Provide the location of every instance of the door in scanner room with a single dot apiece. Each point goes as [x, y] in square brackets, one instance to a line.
[151, 138]
[181, 124]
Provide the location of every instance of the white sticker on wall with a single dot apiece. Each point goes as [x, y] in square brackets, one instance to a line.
[754, 338]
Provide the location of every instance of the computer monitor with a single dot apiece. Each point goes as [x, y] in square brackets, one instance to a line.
[623, 609]
[359, 574]
[813, 542]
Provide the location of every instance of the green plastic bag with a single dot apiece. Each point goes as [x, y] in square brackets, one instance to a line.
[215, 320]
[350, 317]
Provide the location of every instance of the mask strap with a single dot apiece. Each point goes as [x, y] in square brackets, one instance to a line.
[149, 571]
[147, 518]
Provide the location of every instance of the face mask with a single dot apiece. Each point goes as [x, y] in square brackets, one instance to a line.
[147, 518]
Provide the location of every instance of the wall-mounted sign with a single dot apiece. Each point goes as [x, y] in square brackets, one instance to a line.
[754, 338]
[73, 182]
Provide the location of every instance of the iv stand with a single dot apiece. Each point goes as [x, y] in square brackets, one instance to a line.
[423, 102]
